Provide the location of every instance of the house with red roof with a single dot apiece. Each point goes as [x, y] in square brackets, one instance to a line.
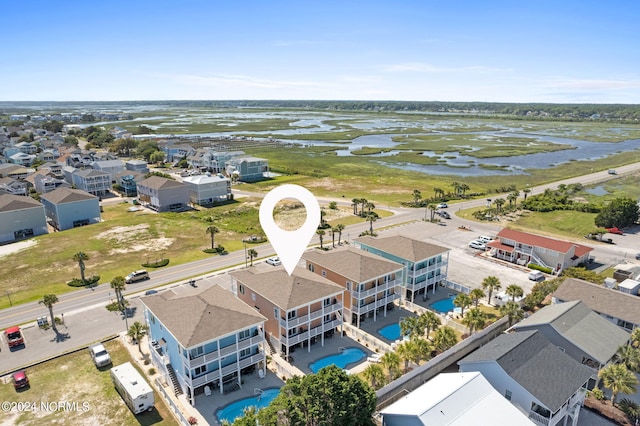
[524, 248]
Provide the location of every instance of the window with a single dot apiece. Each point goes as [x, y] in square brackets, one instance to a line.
[253, 296]
[241, 289]
[196, 352]
[244, 334]
[293, 331]
[327, 301]
[324, 273]
[276, 313]
[311, 267]
[245, 353]
[507, 394]
[327, 318]
[199, 371]
[349, 285]
[291, 314]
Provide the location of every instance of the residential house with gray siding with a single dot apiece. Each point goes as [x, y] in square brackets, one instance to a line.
[68, 208]
[20, 217]
[163, 195]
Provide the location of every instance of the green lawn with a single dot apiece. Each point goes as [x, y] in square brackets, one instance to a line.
[74, 378]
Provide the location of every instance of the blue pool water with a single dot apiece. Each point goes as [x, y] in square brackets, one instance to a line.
[444, 305]
[341, 360]
[390, 332]
[236, 409]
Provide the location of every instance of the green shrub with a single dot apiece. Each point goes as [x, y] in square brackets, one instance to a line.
[152, 371]
[77, 282]
[630, 408]
[597, 393]
[540, 268]
[157, 264]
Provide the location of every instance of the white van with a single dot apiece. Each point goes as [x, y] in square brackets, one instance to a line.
[485, 239]
[536, 276]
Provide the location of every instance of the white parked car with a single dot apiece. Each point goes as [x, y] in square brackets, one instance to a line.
[442, 206]
[484, 239]
[275, 261]
[99, 355]
[478, 245]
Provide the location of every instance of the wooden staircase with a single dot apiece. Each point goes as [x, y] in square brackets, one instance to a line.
[177, 389]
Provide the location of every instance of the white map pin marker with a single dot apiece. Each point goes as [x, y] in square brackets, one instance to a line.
[289, 245]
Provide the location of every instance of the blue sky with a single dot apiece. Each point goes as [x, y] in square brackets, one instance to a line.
[503, 51]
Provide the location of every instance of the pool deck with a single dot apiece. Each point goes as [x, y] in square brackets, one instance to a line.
[208, 405]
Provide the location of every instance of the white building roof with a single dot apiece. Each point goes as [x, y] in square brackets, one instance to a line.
[455, 399]
[629, 284]
[204, 179]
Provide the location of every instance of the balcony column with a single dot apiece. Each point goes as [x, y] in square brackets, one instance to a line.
[309, 326]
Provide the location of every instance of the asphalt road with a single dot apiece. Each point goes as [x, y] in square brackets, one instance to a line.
[98, 323]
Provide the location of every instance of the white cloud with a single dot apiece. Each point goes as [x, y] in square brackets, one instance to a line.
[420, 67]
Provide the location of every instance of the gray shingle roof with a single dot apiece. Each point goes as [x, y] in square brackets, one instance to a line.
[404, 247]
[199, 318]
[536, 364]
[157, 182]
[581, 326]
[62, 195]
[288, 292]
[90, 173]
[601, 299]
[354, 264]
[10, 202]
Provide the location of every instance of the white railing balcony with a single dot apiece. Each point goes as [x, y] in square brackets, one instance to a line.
[296, 321]
[428, 282]
[308, 334]
[203, 359]
[375, 305]
[538, 419]
[377, 289]
[426, 269]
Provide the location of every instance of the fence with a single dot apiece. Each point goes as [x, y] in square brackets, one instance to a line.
[367, 339]
[457, 287]
[172, 405]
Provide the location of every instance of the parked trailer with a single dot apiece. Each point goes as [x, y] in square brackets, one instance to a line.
[132, 387]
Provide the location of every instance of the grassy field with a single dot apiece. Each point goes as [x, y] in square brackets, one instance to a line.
[74, 378]
[125, 240]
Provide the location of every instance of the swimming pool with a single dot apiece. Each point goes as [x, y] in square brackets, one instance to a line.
[236, 409]
[345, 357]
[443, 306]
[390, 332]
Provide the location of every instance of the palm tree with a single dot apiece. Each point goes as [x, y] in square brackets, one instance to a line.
[463, 187]
[252, 255]
[370, 206]
[391, 361]
[363, 201]
[137, 331]
[340, 228]
[371, 217]
[438, 191]
[629, 356]
[635, 338]
[422, 350]
[429, 322]
[526, 191]
[320, 233]
[432, 211]
[334, 231]
[514, 291]
[410, 326]
[212, 230]
[476, 294]
[118, 285]
[354, 204]
[322, 215]
[417, 196]
[456, 187]
[444, 338]
[80, 257]
[49, 300]
[618, 379]
[512, 310]
[462, 301]
[491, 284]
[405, 352]
[374, 374]
[474, 319]
[499, 202]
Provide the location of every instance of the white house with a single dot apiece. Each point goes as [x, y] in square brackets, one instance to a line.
[454, 399]
[208, 189]
[537, 377]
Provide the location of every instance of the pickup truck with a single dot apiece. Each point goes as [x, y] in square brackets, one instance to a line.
[14, 336]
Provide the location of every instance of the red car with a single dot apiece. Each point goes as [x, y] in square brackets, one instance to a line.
[20, 379]
[14, 336]
[615, 231]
